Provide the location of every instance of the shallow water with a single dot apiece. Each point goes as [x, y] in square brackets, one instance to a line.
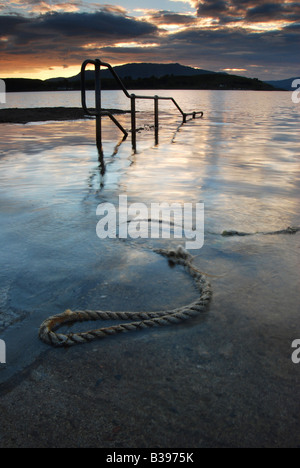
[241, 160]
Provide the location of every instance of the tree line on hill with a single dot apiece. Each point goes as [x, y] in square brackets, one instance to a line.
[213, 81]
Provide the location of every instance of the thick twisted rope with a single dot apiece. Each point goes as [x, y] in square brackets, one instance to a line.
[141, 320]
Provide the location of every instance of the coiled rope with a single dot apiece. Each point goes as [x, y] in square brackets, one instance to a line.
[141, 320]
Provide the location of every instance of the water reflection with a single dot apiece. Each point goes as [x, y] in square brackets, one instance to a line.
[104, 161]
[240, 160]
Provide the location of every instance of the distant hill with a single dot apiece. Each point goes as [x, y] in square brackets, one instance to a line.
[284, 84]
[145, 76]
[205, 81]
[144, 70]
[24, 84]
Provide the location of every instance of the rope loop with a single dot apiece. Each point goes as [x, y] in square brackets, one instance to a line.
[140, 320]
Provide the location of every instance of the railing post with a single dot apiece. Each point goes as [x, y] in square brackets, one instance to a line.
[133, 121]
[98, 104]
[156, 122]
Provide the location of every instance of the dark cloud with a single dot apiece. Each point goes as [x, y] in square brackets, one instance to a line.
[54, 39]
[265, 12]
[10, 24]
[237, 48]
[250, 10]
[97, 25]
[167, 17]
[293, 27]
[214, 8]
[274, 11]
[264, 54]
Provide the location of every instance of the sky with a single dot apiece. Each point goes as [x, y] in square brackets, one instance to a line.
[45, 39]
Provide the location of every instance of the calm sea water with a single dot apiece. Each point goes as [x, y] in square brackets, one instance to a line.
[241, 159]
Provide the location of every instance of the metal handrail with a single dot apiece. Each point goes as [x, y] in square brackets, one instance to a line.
[133, 97]
[98, 112]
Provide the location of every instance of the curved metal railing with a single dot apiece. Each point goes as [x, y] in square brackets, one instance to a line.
[98, 112]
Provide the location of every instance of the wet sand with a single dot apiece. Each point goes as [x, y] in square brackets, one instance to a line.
[43, 114]
[166, 388]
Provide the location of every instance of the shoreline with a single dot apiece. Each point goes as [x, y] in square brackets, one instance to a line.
[44, 114]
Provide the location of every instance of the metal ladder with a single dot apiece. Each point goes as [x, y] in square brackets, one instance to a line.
[98, 112]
